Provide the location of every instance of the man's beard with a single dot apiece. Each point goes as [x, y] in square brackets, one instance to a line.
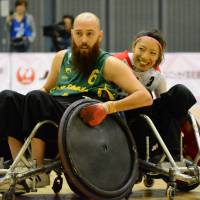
[85, 62]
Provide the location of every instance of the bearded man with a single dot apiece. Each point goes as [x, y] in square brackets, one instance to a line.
[86, 71]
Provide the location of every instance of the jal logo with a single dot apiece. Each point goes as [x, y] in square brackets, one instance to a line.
[25, 75]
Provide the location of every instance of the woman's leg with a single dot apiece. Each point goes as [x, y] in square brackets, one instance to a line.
[176, 101]
[169, 112]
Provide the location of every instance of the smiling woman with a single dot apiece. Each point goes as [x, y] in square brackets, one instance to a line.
[148, 48]
[146, 51]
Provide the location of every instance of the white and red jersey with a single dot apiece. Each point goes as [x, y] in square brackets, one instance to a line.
[152, 79]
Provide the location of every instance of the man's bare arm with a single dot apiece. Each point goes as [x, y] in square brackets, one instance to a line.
[119, 73]
[53, 74]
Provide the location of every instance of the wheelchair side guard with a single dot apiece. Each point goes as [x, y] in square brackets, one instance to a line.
[99, 162]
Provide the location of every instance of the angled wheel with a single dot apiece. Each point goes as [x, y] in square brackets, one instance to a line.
[99, 162]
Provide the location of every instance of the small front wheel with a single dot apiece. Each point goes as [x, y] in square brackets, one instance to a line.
[171, 191]
[9, 195]
[148, 181]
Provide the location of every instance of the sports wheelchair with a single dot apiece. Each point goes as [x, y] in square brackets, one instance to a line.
[100, 162]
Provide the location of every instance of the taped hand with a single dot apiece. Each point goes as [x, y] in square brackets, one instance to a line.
[94, 114]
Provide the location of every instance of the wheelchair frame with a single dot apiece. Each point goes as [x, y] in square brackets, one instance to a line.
[184, 171]
[12, 177]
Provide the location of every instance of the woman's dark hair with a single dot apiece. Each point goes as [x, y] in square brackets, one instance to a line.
[21, 2]
[156, 34]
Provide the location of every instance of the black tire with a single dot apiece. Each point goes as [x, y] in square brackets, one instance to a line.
[82, 181]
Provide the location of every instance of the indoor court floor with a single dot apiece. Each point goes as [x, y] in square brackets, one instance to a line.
[139, 192]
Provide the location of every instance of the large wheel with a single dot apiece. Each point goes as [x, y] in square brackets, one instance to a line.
[99, 162]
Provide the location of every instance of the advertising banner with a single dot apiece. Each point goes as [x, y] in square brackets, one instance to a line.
[183, 68]
[29, 70]
[24, 72]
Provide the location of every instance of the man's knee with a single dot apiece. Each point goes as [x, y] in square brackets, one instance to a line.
[10, 98]
[7, 94]
[36, 96]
